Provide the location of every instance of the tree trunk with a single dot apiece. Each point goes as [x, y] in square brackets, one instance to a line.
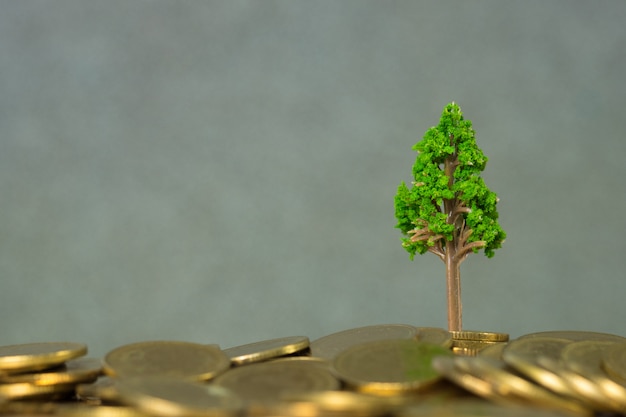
[453, 277]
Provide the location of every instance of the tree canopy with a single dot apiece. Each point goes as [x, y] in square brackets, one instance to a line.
[448, 200]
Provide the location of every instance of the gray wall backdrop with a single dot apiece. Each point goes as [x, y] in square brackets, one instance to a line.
[224, 171]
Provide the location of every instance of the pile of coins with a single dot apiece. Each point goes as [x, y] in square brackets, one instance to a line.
[380, 371]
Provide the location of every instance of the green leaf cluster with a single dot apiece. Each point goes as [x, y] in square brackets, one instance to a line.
[451, 143]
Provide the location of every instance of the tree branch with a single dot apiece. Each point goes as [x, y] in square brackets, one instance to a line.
[458, 210]
[423, 234]
[464, 234]
[437, 250]
[467, 249]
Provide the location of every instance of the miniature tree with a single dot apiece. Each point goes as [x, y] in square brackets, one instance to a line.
[449, 211]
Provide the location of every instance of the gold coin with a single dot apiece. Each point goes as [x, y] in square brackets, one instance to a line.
[575, 335]
[185, 360]
[267, 382]
[38, 356]
[164, 396]
[470, 347]
[328, 347]
[387, 367]
[493, 351]
[268, 349]
[74, 371]
[522, 354]
[101, 391]
[586, 358]
[515, 388]
[475, 408]
[614, 362]
[82, 410]
[532, 347]
[479, 336]
[446, 366]
[25, 390]
[434, 335]
[311, 359]
[341, 403]
[583, 389]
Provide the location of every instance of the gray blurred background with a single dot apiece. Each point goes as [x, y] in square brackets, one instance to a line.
[224, 171]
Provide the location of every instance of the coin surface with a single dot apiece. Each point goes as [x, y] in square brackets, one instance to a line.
[532, 347]
[479, 336]
[328, 347]
[164, 396]
[38, 356]
[614, 362]
[186, 360]
[434, 335]
[493, 351]
[267, 349]
[266, 382]
[387, 367]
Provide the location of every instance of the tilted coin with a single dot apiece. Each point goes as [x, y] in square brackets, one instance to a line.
[388, 367]
[38, 356]
[586, 358]
[310, 359]
[446, 366]
[515, 388]
[267, 349]
[186, 360]
[328, 347]
[575, 335]
[267, 382]
[523, 354]
[434, 335]
[478, 335]
[74, 371]
[164, 396]
[582, 388]
[614, 362]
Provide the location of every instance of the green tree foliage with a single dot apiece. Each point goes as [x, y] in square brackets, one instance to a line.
[449, 210]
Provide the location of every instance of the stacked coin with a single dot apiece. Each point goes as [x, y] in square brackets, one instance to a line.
[44, 371]
[381, 370]
[471, 342]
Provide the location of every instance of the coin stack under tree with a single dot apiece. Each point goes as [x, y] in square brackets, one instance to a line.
[380, 370]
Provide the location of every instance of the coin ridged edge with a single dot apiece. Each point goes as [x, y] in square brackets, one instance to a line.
[263, 354]
[479, 336]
